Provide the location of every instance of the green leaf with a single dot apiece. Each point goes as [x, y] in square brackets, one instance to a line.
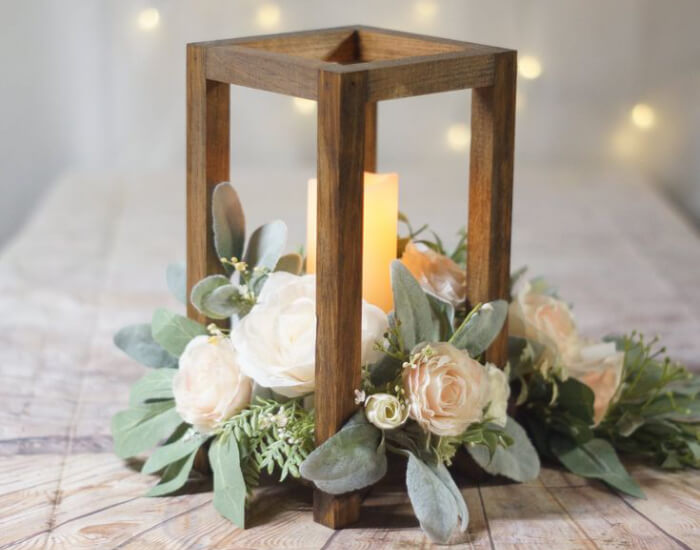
[353, 458]
[214, 297]
[443, 316]
[139, 428]
[175, 476]
[173, 332]
[176, 277]
[175, 451]
[518, 461]
[411, 308]
[229, 485]
[138, 343]
[481, 327]
[595, 459]
[444, 475]
[229, 223]
[266, 244]
[577, 398]
[433, 503]
[157, 384]
[291, 263]
[385, 370]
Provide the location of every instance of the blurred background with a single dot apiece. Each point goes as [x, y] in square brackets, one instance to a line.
[98, 87]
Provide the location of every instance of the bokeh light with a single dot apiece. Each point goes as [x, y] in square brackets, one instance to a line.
[149, 19]
[425, 10]
[459, 136]
[268, 16]
[529, 67]
[643, 116]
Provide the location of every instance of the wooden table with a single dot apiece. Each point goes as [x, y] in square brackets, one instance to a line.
[92, 260]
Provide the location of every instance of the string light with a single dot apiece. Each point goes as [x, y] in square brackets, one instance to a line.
[425, 10]
[268, 16]
[148, 19]
[459, 136]
[643, 116]
[304, 106]
[529, 67]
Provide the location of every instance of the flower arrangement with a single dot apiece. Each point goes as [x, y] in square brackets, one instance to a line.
[245, 395]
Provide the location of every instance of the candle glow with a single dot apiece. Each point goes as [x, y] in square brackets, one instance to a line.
[381, 207]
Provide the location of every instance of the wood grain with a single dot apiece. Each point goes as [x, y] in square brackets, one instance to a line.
[491, 193]
[341, 134]
[208, 152]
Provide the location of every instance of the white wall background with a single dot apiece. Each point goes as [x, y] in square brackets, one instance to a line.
[84, 88]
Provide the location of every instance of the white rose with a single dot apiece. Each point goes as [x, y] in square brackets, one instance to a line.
[209, 387]
[276, 341]
[436, 273]
[600, 368]
[499, 392]
[385, 411]
[447, 390]
[546, 320]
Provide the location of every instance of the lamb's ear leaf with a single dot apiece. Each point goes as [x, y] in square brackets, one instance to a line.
[266, 244]
[481, 327]
[229, 223]
[138, 343]
[411, 308]
[443, 315]
[443, 473]
[154, 386]
[519, 461]
[213, 296]
[173, 332]
[137, 429]
[176, 278]
[229, 485]
[353, 458]
[433, 502]
[291, 263]
[595, 459]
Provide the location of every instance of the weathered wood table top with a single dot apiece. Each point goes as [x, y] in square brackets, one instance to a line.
[92, 260]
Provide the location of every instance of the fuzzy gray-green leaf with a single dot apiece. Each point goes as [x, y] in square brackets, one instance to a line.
[433, 503]
[139, 428]
[173, 332]
[411, 308]
[229, 485]
[353, 458]
[519, 461]
[176, 278]
[138, 343]
[595, 459]
[222, 302]
[229, 223]
[481, 328]
[266, 244]
[155, 385]
[174, 477]
[172, 452]
[201, 295]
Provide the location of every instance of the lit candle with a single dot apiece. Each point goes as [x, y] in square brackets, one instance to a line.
[381, 207]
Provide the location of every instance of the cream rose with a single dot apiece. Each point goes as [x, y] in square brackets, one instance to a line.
[209, 387]
[546, 320]
[436, 273]
[276, 341]
[600, 368]
[385, 411]
[447, 390]
[499, 392]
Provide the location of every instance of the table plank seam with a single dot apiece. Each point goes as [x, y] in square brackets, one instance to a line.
[486, 517]
[652, 522]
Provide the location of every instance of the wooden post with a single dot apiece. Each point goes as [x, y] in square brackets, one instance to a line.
[208, 150]
[341, 151]
[491, 193]
[371, 137]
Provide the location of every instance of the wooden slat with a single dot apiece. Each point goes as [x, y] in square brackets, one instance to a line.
[341, 133]
[371, 137]
[491, 193]
[208, 151]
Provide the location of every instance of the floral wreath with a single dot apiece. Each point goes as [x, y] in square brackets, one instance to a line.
[245, 396]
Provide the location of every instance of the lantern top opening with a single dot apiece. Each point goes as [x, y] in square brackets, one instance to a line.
[397, 64]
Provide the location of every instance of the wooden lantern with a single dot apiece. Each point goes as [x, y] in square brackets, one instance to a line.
[347, 71]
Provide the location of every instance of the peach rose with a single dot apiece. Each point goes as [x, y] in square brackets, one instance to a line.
[209, 387]
[446, 389]
[546, 320]
[436, 273]
[600, 368]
